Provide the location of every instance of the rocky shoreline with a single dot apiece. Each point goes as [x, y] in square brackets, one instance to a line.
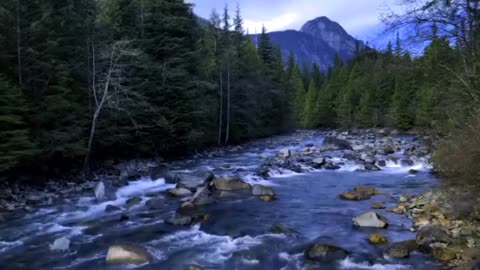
[452, 239]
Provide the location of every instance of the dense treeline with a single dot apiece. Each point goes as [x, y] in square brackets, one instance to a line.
[109, 78]
[380, 89]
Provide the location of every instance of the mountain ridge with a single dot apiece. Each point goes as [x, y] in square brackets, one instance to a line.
[318, 41]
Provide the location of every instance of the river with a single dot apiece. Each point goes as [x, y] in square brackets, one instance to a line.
[237, 233]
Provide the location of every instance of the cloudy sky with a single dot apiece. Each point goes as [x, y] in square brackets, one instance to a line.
[359, 17]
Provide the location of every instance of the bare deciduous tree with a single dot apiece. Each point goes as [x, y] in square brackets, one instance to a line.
[108, 88]
[457, 20]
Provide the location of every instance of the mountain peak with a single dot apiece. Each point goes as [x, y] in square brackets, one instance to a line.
[332, 33]
[318, 41]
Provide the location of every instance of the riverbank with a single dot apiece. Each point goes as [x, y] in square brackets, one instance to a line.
[241, 202]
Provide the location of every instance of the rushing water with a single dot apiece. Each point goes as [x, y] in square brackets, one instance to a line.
[236, 236]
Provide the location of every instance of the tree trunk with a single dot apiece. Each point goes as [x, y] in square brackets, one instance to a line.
[86, 162]
[142, 18]
[98, 109]
[19, 51]
[228, 106]
[220, 117]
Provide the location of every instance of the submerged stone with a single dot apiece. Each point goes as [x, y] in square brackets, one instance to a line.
[325, 253]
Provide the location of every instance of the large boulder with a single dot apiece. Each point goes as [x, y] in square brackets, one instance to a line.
[259, 190]
[324, 253]
[401, 249]
[60, 244]
[332, 143]
[128, 254]
[202, 197]
[192, 181]
[230, 183]
[432, 234]
[371, 220]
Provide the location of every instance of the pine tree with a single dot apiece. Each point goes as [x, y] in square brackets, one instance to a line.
[15, 142]
[296, 84]
[310, 101]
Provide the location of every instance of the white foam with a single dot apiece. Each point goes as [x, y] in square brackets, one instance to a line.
[136, 188]
[143, 186]
[349, 264]
[4, 245]
[283, 173]
[351, 167]
[55, 227]
[250, 262]
[256, 180]
[216, 248]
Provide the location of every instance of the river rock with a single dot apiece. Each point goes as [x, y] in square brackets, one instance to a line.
[259, 190]
[378, 205]
[284, 153]
[230, 183]
[263, 171]
[133, 201]
[368, 158]
[399, 209]
[324, 253]
[155, 204]
[60, 244]
[128, 254]
[332, 143]
[432, 234]
[194, 180]
[371, 219]
[281, 229]
[178, 220]
[100, 191]
[202, 197]
[371, 167]
[401, 249]
[194, 267]
[268, 198]
[406, 163]
[179, 192]
[318, 162]
[354, 196]
[381, 163]
[360, 193]
[377, 239]
[444, 254]
[386, 150]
